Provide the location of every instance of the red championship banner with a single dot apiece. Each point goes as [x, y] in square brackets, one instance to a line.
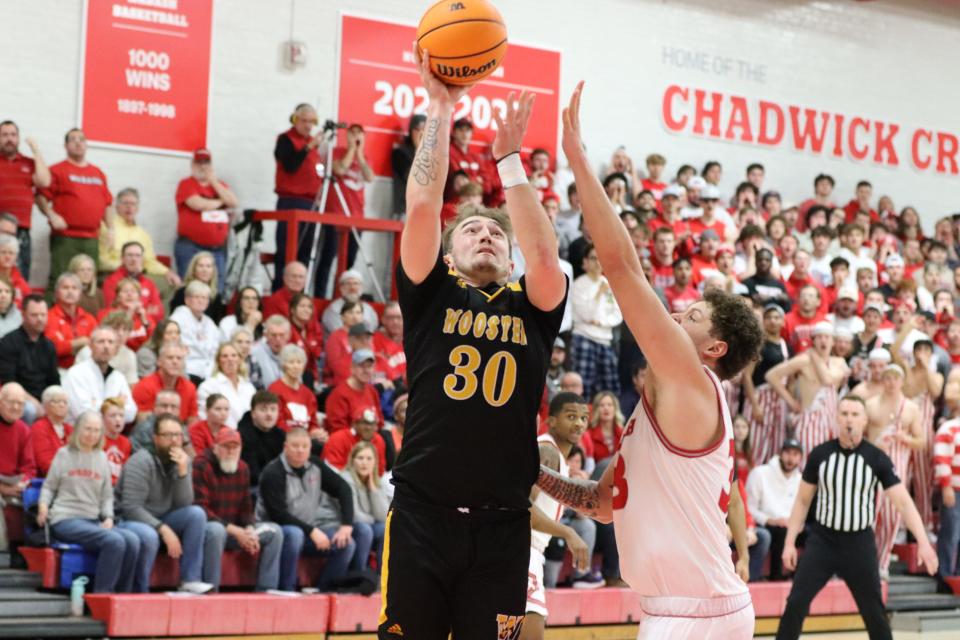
[380, 88]
[145, 73]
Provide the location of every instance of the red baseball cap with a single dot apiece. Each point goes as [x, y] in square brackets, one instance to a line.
[226, 435]
[202, 155]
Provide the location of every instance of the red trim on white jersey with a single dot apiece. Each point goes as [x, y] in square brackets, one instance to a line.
[672, 448]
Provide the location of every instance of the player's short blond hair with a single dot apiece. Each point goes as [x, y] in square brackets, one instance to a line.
[467, 210]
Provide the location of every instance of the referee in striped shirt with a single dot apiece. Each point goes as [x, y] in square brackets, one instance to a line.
[843, 474]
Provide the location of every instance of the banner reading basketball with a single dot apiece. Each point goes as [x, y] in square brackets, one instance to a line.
[380, 89]
[145, 73]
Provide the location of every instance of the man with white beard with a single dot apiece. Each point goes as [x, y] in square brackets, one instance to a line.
[221, 486]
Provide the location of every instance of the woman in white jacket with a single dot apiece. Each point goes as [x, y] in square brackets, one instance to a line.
[595, 314]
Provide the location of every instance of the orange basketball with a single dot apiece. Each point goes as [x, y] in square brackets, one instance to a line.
[467, 40]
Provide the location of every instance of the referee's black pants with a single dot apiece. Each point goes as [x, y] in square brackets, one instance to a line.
[852, 557]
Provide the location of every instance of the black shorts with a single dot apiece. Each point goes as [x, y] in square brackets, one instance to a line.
[445, 570]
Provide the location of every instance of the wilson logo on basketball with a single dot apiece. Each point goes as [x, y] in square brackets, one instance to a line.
[465, 71]
[457, 6]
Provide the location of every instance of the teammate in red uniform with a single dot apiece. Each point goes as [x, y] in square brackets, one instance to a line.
[668, 488]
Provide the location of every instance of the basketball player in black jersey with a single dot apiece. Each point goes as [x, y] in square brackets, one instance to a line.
[457, 542]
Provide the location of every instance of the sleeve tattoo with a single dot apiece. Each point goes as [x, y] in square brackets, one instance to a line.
[582, 496]
[425, 163]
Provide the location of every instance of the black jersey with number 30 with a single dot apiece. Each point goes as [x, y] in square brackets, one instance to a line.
[476, 365]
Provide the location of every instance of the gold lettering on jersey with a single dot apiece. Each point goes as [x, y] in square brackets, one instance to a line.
[466, 321]
[451, 320]
[479, 324]
[492, 327]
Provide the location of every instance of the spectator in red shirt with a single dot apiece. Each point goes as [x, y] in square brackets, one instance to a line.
[801, 277]
[340, 343]
[298, 405]
[127, 298]
[294, 281]
[661, 260]
[16, 455]
[203, 221]
[861, 203]
[352, 172]
[306, 333]
[467, 193]
[541, 177]
[465, 159]
[363, 426]
[709, 196]
[297, 183]
[654, 182]
[681, 294]
[388, 342]
[9, 249]
[203, 433]
[131, 266]
[168, 376]
[115, 444]
[68, 326]
[19, 177]
[76, 203]
[49, 433]
[602, 438]
[704, 264]
[353, 394]
[822, 190]
[798, 324]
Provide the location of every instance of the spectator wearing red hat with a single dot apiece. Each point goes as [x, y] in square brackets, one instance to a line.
[221, 486]
[354, 394]
[296, 183]
[363, 426]
[681, 294]
[799, 323]
[203, 433]
[351, 172]
[541, 177]
[68, 326]
[20, 176]
[76, 204]
[131, 266]
[203, 221]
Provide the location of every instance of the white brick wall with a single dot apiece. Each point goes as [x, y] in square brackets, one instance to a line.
[884, 59]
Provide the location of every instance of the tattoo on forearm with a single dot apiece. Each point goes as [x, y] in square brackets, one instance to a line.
[425, 165]
[582, 496]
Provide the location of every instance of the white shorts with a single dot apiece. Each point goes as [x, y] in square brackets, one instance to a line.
[536, 592]
[681, 623]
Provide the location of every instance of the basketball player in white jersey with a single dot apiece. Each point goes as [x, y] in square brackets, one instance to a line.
[568, 419]
[668, 488]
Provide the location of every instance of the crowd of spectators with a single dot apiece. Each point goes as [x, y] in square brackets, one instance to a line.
[163, 414]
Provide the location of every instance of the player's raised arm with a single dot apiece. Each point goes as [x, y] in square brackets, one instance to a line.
[546, 284]
[420, 244]
[667, 347]
[591, 498]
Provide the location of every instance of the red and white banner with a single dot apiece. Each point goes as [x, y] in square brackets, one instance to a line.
[145, 73]
[379, 88]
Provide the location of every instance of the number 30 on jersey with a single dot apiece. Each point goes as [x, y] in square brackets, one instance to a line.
[498, 378]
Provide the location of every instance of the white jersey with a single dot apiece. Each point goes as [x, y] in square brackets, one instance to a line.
[553, 509]
[670, 507]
